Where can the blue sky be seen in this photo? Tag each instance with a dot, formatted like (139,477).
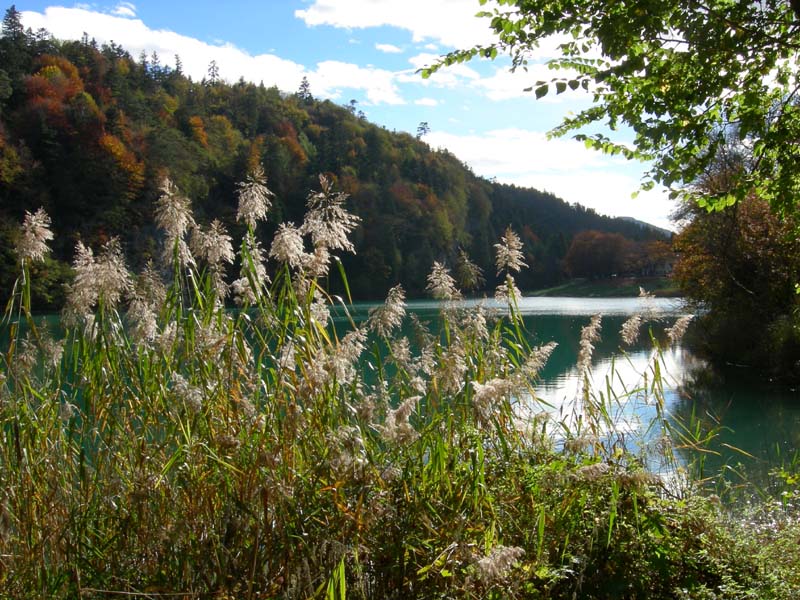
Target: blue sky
(369,51)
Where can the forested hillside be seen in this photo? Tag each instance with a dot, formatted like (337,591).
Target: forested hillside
(88,132)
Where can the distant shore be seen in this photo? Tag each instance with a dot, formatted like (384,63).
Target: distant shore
(614,287)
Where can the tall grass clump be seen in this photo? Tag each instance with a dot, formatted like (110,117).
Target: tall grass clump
(168,446)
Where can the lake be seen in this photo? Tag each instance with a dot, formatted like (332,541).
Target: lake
(759,419)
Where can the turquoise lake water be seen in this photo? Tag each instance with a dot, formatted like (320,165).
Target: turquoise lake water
(757,423)
(760,419)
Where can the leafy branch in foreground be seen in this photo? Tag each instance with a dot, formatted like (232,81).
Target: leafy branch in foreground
(684,76)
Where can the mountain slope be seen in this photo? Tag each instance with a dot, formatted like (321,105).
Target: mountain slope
(88,132)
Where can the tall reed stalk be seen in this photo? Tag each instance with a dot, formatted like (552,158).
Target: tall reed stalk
(168,445)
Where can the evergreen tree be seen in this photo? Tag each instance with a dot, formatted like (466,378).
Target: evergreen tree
(213,72)
(14,51)
(13,29)
(304,92)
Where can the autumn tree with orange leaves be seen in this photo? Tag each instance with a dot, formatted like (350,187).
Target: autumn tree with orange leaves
(741,266)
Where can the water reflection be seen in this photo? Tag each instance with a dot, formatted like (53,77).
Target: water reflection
(754,423)
(762,421)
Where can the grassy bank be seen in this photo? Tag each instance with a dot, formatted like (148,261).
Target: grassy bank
(617,287)
(170,447)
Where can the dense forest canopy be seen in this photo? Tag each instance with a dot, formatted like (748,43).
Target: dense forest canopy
(88,132)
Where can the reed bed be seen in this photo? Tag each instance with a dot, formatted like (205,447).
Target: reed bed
(169,446)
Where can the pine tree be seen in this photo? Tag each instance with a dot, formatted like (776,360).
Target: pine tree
(304,91)
(213,72)
(14,46)
(13,29)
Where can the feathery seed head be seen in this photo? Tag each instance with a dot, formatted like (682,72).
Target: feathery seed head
(174,215)
(317,263)
(488,395)
(150,285)
(287,246)
(32,244)
(287,356)
(173,210)
(213,246)
(389,316)
(576,445)
(592,472)
(253,275)
(470,275)
(675,333)
(169,337)
(441,284)
(507,291)
(210,340)
(451,371)
(110,273)
(508,255)
(147,299)
(397,428)
(538,359)
(255,198)
(327,221)
(401,353)
(475,323)
(347,451)
(190,395)
(81,293)
(343,360)
(103,276)
(498,563)
(144,329)
(630,330)
(650,311)
(52,350)
(589,334)
(319,309)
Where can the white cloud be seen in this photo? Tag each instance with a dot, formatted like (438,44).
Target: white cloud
(328,80)
(517,151)
(388,48)
(447,77)
(378,84)
(424,59)
(125,9)
(501,84)
(606,192)
(449,22)
(561,166)
(505,85)
(426,102)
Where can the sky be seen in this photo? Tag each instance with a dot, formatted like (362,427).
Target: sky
(370,51)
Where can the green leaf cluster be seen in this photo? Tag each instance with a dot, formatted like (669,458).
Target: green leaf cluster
(683,76)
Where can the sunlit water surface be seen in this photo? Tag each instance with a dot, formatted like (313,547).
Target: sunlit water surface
(755,425)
